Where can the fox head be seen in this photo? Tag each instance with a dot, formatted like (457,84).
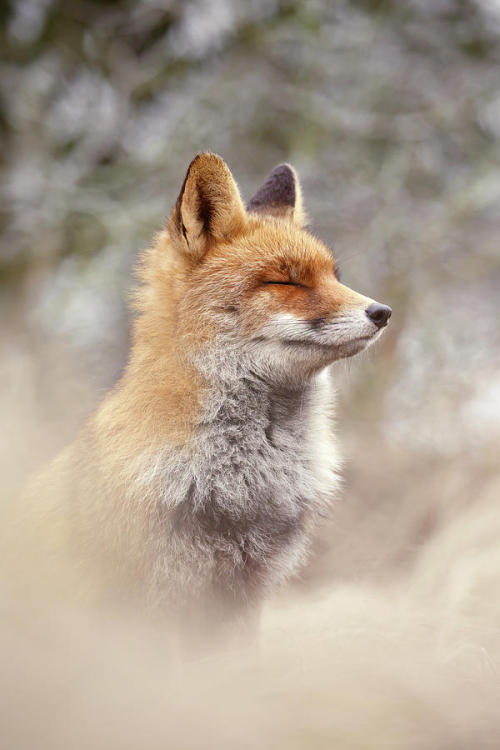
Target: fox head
(252,284)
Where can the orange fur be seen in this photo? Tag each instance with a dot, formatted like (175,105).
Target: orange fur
(213,258)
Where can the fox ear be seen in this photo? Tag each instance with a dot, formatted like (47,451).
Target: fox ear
(209,206)
(280,195)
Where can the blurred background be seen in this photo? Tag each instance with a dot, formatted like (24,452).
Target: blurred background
(390,111)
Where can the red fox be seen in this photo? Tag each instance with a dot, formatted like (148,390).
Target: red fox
(200,478)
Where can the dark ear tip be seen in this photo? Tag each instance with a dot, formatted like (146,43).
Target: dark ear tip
(283,170)
(278,190)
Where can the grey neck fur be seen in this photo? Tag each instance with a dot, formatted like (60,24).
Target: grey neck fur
(252,478)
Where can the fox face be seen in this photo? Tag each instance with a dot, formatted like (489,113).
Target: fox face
(255,284)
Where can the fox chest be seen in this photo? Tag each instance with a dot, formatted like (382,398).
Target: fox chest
(251,488)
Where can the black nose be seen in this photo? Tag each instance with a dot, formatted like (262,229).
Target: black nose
(379,314)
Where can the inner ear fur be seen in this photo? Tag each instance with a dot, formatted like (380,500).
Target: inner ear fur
(209,207)
(280,195)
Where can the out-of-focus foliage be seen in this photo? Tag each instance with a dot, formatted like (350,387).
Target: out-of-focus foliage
(389,110)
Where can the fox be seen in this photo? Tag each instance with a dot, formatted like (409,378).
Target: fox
(199,482)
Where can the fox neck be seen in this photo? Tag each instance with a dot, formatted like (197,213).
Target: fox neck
(231,378)
(251,405)
(258,434)
(185,391)
(251,464)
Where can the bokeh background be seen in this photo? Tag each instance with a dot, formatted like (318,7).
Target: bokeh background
(390,111)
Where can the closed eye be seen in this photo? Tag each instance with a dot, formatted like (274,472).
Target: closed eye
(283,283)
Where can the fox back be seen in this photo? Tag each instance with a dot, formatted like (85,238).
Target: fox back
(200,479)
